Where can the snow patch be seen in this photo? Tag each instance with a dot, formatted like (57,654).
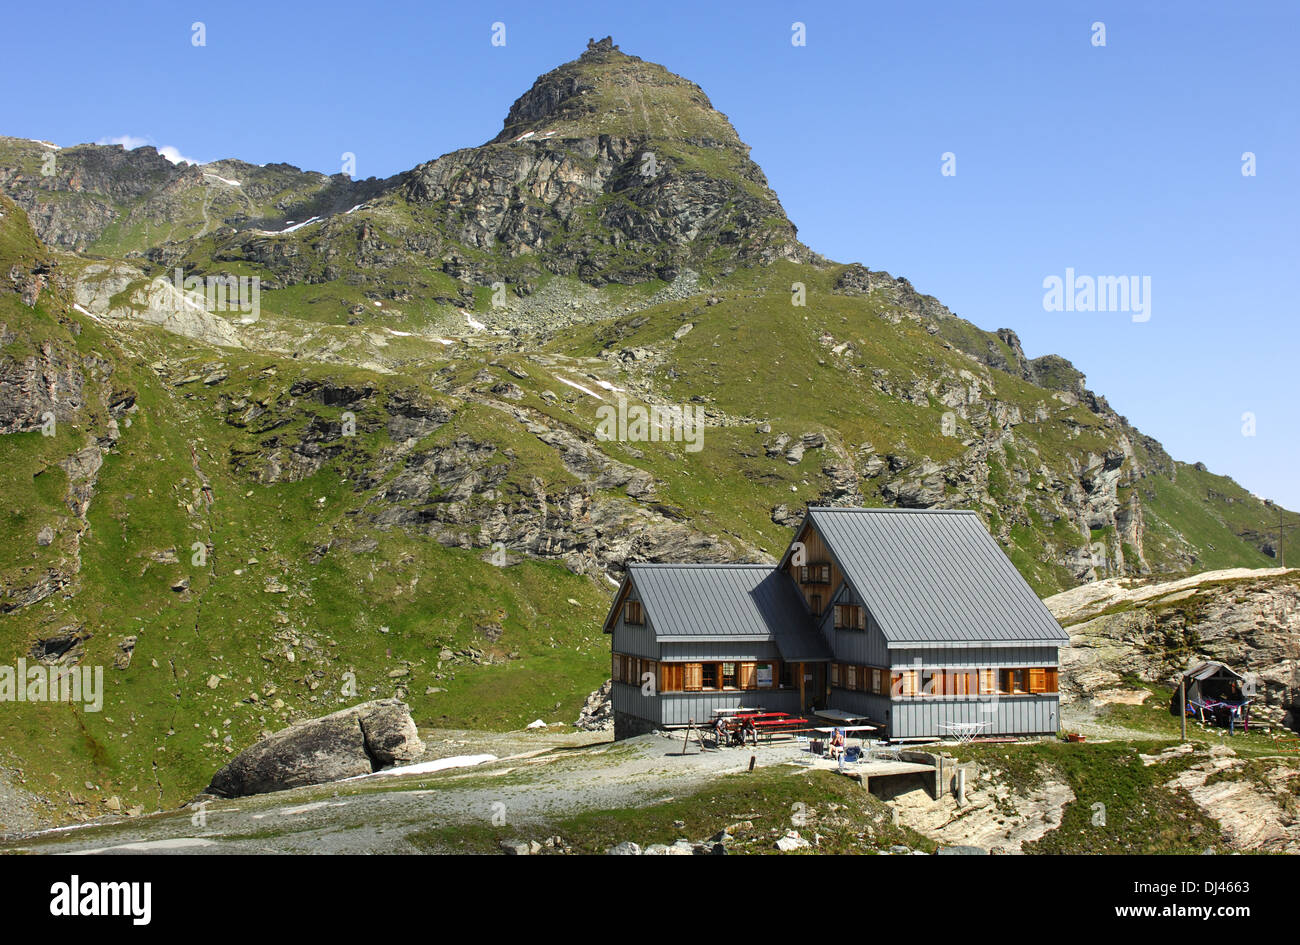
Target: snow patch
(576,386)
(473,322)
(425,767)
(86,312)
(224,180)
(290,229)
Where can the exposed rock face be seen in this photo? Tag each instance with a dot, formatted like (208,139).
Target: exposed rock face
(101,286)
(40,386)
(1249,620)
(994,817)
(597,713)
(1254,801)
(354,741)
(606,192)
(94,186)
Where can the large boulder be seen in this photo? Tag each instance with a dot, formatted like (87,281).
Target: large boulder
(356,740)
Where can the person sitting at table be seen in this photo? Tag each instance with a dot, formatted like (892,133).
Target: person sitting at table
(837,744)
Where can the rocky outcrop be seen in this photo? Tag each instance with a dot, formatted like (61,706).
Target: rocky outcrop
(351,742)
(1249,620)
(120,291)
(1253,800)
(597,713)
(605,196)
(92,187)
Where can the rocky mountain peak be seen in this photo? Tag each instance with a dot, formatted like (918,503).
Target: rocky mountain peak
(606,91)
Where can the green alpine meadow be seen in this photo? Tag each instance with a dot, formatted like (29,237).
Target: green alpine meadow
(286,454)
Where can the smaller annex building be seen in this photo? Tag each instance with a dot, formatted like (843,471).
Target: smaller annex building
(913,619)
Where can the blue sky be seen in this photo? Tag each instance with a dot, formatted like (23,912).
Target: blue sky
(1117,160)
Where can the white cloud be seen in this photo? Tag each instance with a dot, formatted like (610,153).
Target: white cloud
(175,156)
(131,142)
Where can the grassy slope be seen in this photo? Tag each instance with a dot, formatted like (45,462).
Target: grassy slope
(845,817)
(754,355)
(163,730)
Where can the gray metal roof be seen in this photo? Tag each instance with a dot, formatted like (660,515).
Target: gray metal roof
(935,577)
(738,602)
(1210,668)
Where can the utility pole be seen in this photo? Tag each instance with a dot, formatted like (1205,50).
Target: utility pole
(1182,702)
(1281,532)
(1281,537)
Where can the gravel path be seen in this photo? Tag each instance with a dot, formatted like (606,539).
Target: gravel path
(538,774)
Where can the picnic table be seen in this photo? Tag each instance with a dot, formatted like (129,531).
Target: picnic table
(963,732)
(733,727)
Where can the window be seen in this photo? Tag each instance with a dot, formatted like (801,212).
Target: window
(988,685)
(1042,679)
(729,676)
(786,677)
(835,674)
(905,683)
(815,604)
(850,617)
(632,614)
(710,675)
(815,574)
(851,678)
(1015,681)
(630,670)
(963,683)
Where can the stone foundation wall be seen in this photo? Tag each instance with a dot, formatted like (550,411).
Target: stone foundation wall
(629,726)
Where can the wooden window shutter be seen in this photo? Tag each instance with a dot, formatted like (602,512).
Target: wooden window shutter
(747,676)
(670,677)
(1050,679)
(693,677)
(835,674)
(1037,680)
